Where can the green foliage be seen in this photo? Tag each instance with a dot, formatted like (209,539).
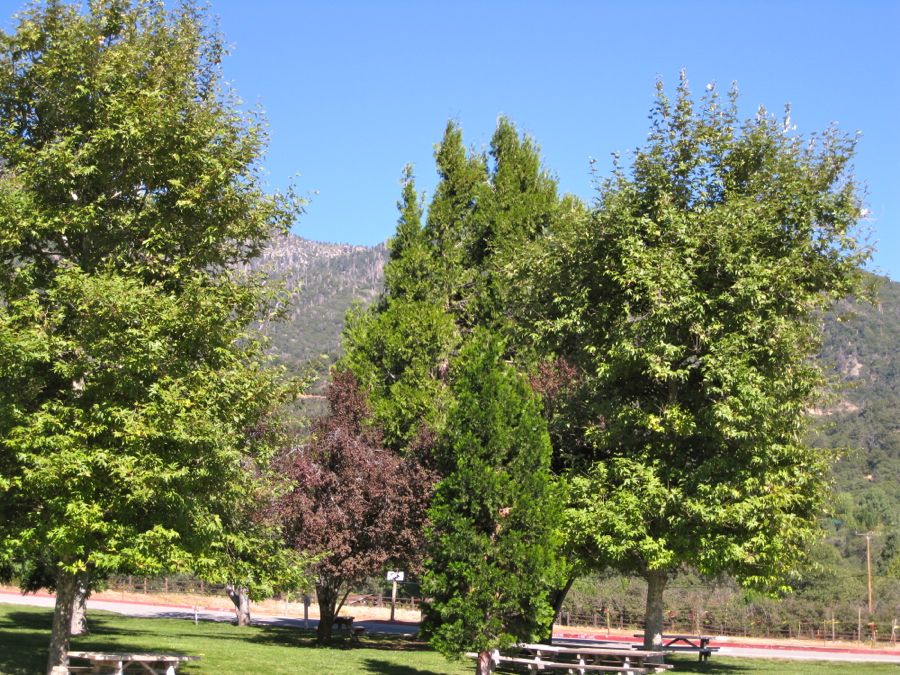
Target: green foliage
(448,275)
(689,303)
(492,533)
(134,402)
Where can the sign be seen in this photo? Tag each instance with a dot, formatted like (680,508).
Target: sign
(396,576)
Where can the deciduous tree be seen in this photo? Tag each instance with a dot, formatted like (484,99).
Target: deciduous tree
(353,504)
(689,303)
(128,379)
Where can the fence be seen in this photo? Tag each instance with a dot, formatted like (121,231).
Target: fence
(746,621)
(194,586)
(830,628)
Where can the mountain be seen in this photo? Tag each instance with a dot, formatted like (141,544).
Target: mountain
(860,351)
(324,280)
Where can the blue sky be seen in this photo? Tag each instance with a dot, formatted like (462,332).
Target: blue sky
(355,90)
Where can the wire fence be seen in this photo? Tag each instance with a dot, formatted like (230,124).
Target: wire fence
(831,628)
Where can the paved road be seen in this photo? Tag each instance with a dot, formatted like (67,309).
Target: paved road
(860,655)
(178,612)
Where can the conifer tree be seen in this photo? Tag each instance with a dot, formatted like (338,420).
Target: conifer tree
(493,520)
(449,276)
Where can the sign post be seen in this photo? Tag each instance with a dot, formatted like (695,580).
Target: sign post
(394,577)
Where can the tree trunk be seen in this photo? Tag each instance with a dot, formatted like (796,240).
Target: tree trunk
(78,625)
(66,584)
(653,619)
(327,598)
(484,665)
(240,596)
(557,598)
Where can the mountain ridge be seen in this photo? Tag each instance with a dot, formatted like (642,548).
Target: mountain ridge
(859,350)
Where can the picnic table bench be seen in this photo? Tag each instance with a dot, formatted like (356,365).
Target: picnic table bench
(342,622)
(690,643)
(117,662)
(581,660)
(623,660)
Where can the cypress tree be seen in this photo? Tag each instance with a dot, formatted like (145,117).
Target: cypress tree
(493,546)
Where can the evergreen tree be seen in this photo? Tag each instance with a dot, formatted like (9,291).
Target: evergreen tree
(492,534)
(409,274)
(450,276)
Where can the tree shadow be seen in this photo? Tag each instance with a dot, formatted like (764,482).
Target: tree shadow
(23,642)
(27,620)
(687,664)
(386,668)
(292,636)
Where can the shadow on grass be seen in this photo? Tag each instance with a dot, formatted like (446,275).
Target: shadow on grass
(24,637)
(290,636)
(27,621)
(686,664)
(386,668)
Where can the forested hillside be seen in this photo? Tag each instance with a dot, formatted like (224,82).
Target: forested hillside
(324,280)
(861,350)
(862,346)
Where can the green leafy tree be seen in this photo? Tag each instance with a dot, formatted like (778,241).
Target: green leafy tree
(133,401)
(690,304)
(493,535)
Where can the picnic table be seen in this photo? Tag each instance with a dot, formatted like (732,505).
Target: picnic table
(578,659)
(689,642)
(117,662)
(343,622)
(625,660)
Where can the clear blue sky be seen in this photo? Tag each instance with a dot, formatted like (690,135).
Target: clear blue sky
(355,90)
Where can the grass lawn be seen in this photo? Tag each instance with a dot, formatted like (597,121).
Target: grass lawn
(228,650)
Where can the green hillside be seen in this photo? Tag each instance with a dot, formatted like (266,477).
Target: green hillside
(862,350)
(325,281)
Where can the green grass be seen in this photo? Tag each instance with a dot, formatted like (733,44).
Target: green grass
(225,649)
(723,665)
(228,650)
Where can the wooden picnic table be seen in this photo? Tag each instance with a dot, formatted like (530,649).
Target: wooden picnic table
(691,642)
(622,660)
(117,662)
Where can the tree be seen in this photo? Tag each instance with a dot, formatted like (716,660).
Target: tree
(449,275)
(352,504)
(492,530)
(689,303)
(128,379)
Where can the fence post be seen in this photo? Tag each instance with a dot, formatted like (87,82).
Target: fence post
(859,624)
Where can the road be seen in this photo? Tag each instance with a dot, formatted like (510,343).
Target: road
(183,612)
(726,648)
